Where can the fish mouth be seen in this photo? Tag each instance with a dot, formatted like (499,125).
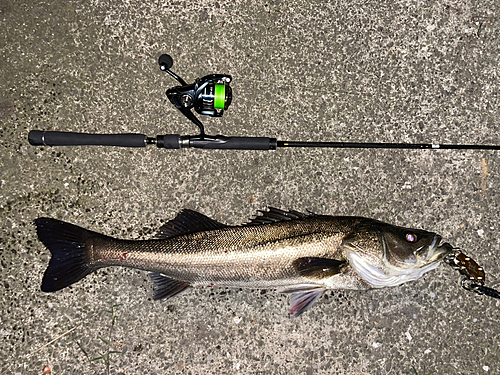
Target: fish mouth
(435,253)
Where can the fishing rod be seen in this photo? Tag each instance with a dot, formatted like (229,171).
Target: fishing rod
(210,95)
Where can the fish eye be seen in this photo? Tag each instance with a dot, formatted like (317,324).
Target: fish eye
(410,237)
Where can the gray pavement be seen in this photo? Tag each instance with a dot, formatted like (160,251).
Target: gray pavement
(380,71)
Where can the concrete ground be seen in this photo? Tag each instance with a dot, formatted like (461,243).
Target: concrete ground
(380,71)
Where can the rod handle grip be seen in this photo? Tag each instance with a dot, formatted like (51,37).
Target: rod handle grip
(50,138)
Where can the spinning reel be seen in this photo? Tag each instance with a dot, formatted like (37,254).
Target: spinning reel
(210,95)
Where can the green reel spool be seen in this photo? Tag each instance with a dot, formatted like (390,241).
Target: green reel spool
(220,96)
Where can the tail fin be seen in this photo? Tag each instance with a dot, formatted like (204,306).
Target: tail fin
(69,262)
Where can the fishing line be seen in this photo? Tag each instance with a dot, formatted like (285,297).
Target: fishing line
(211,95)
(303,88)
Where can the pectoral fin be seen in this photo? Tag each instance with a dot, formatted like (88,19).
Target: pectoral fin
(318,268)
(165,287)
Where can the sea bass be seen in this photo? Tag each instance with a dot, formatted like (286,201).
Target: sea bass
(292,252)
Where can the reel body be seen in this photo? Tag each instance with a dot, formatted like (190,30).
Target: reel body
(210,95)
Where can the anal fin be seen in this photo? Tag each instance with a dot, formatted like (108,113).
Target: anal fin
(165,287)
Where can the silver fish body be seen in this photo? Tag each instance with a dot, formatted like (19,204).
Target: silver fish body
(302,254)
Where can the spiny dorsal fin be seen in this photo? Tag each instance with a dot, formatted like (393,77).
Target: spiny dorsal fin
(187,221)
(274,215)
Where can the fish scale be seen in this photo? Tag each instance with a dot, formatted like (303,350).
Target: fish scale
(255,257)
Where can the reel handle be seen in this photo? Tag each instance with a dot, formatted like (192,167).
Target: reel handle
(50,138)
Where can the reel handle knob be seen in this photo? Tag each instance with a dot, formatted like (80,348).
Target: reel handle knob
(165,62)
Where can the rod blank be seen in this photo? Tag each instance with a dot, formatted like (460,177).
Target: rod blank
(411,146)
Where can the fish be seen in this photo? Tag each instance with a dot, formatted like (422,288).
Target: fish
(300,254)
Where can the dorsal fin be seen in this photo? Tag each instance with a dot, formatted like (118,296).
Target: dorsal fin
(274,215)
(187,221)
